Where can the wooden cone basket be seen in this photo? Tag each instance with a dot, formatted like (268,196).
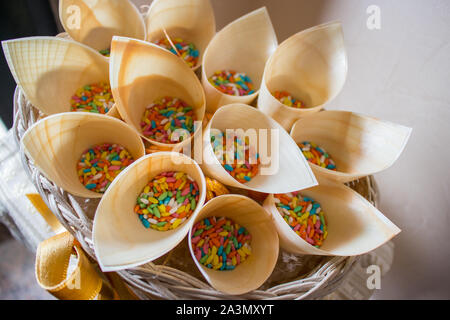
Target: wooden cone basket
(142,72)
(50,70)
(254,271)
(354,225)
(190,20)
(95,22)
(311,65)
(243,46)
(57,142)
(287,172)
(359,145)
(120,239)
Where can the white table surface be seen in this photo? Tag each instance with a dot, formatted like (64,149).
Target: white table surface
(399,73)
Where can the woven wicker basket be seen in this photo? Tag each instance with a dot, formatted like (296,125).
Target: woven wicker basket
(174,276)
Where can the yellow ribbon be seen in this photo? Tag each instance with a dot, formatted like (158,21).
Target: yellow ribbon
(52,262)
(46,213)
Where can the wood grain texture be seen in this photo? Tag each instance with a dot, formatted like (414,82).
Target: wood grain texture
(50,70)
